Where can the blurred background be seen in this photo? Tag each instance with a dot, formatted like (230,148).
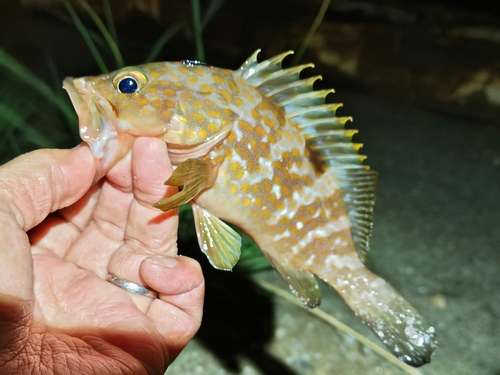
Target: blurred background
(421,79)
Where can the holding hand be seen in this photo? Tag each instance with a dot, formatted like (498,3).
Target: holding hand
(58,312)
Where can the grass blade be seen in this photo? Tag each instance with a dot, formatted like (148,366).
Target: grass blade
(17,122)
(110,21)
(213,7)
(195,8)
(86,36)
(105,33)
(160,43)
(25,75)
(311,31)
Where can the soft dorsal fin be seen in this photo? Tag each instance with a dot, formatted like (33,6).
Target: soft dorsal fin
(324,134)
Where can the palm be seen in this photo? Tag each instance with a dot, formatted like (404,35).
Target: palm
(112,229)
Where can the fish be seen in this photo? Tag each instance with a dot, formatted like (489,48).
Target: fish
(258,147)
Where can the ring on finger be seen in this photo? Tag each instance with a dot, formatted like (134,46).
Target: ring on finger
(132,287)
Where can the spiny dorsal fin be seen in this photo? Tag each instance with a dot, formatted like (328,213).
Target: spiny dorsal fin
(324,134)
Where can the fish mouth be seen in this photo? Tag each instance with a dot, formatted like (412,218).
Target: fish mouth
(97,119)
(179,153)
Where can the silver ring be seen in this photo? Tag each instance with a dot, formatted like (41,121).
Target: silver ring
(131,287)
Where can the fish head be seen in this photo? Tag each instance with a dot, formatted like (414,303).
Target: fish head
(179,104)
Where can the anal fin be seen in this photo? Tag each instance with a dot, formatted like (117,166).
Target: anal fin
(303,284)
(218,241)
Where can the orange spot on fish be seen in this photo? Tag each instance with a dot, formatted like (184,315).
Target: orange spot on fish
(213,113)
(240,174)
(248,96)
(242,150)
(155,74)
(271,138)
(143,101)
(186,95)
(169,92)
(232,85)
(245,127)
(192,79)
(212,127)
(199,71)
(218,159)
(198,117)
(218,79)
(255,114)
(264,105)
(207,88)
(238,102)
(226,95)
(197,105)
(270,123)
(260,131)
(252,166)
(245,187)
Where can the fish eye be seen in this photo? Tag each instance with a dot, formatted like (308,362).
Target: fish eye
(129,81)
(128,85)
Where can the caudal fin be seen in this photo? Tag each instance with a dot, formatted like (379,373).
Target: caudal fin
(393,320)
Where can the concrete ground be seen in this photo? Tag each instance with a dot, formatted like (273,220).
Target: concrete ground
(436,240)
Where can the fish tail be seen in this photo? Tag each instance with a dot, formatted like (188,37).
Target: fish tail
(391,318)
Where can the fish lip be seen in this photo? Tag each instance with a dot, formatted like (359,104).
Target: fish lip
(180,153)
(96,120)
(74,95)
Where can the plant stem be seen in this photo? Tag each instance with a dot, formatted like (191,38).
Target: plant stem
(341,326)
(195,8)
(311,31)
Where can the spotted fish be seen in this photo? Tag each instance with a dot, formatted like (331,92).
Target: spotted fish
(259,148)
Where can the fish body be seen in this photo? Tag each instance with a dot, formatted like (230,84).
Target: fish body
(259,148)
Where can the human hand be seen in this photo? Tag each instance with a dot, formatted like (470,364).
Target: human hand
(58,314)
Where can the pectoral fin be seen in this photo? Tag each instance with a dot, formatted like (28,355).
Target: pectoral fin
(220,243)
(194,175)
(303,284)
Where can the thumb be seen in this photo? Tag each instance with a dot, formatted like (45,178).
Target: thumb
(32,186)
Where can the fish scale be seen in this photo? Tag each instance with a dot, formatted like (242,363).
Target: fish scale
(259,147)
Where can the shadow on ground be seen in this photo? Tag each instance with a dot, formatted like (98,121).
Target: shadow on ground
(238,319)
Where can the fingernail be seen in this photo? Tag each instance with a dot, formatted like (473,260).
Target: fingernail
(169,262)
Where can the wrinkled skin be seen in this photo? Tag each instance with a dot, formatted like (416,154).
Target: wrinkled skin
(58,315)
